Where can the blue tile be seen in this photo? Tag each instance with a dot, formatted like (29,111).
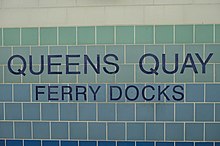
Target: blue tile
(115,92)
(50,143)
(87,143)
(106,143)
(155,131)
(1,111)
(41,88)
(117,50)
(41,130)
(171,50)
(59,130)
(78,130)
(14,143)
(79,91)
(1,74)
(215,49)
(194,131)
(164,112)
(125,112)
(61,50)
(123,143)
(37,51)
(164,144)
(89,77)
(93,51)
(13,111)
(7,54)
(144,143)
(192,94)
(125,73)
(212,93)
(104,108)
(23,51)
(133,93)
(97,92)
(204,112)
(135,131)
(174,131)
(49,111)
(6,130)
(184,112)
(97,131)
(212,132)
(157,50)
(31,111)
(173,96)
(22,92)
(217,112)
(145,112)
(65,113)
(217,143)
(192,49)
(32,143)
(23,130)
(5,92)
(134,53)
(2,143)
(203,144)
(84,115)
(116,131)
(184,144)
(69,143)
(152,90)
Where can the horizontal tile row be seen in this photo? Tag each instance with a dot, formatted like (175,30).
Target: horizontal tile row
(198,112)
(111,131)
(110,35)
(100,143)
(109,93)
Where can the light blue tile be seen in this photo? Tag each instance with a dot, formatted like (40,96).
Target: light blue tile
(157,50)
(11,78)
(143,77)
(116,131)
(37,51)
(7,51)
(41,130)
(86,35)
(29,77)
(134,53)
(207,76)
(40,88)
(23,130)
(194,131)
(175,131)
(94,51)
(49,111)
(125,74)
(49,78)
(212,131)
(65,113)
(97,131)
(117,50)
(66,77)
(58,50)
(104,108)
(215,49)
(77,50)
(89,77)
(135,131)
(5,92)
(103,77)
(84,115)
(134,93)
(78,130)
(1,74)
(187,76)
(24,52)
(171,50)
(174,96)
(1,111)
(59,130)
(97,93)
(6,130)
(22,92)
(79,92)
(204,33)
(217,70)
(164,34)
(31,111)
(145,112)
(163,77)
(124,35)
(11,36)
(217,112)
(212,92)
(152,90)
(204,112)
(192,94)
(164,112)
(125,112)
(184,112)
(115,92)
(155,131)
(192,49)
(13,111)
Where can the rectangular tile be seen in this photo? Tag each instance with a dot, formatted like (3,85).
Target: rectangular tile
(124,35)
(6,130)
(105,34)
(67,35)
(174,131)
(78,130)
(144,34)
(48,36)
(97,131)
(204,33)
(11,36)
(116,131)
(29,36)
(23,130)
(163,34)
(85,35)
(212,93)
(217,33)
(59,130)
(194,131)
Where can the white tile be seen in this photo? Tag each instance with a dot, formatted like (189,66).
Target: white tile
(206,1)
(11,3)
(172,2)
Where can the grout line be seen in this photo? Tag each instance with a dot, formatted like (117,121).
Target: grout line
(95,35)
(134,28)
(154,33)
(13,130)
(214,40)
(204,131)
(174,33)
(20,35)
(58,39)
(115,35)
(214,112)
(194,33)
(38,33)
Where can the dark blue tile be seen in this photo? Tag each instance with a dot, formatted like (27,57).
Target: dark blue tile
(87,143)
(204,144)
(14,143)
(125,144)
(50,143)
(2,143)
(184,144)
(69,143)
(106,143)
(145,144)
(165,144)
(32,143)
(217,144)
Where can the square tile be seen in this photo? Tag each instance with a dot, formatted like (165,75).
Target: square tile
(41,130)
(11,36)
(125,112)
(116,131)
(64,111)
(144,35)
(217,33)
(204,112)
(191,92)
(59,130)
(135,131)
(6,130)
(84,115)
(154,131)
(23,130)
(184,33)
(48,36)
(49,111)
(78,130)
(31,111)
(124,35)
(134,53)
(104,108)
(212,131)
(67,35)
(144,112)
(204,33)
(13,111)
(105,34)
(164,34)
(174,131)
(97,131)
(194,131)
(164,112)
(5,92)
(212,92)
(184,112)
(7,51)
(22,96)
(29,36)
(85,35)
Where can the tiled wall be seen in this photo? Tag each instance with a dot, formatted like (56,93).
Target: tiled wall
(123,122)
